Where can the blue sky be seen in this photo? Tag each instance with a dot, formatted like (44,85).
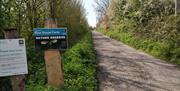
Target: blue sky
(91,14)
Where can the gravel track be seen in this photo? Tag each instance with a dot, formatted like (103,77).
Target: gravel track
(122,68)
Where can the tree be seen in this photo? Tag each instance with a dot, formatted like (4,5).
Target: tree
(101,9)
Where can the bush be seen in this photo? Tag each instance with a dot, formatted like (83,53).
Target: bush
(79,69)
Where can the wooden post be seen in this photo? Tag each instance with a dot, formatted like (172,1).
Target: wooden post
(177,7)
(53,61)
(17,82)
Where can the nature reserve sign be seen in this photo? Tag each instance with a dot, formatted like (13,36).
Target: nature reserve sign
(50,38)
(13,59)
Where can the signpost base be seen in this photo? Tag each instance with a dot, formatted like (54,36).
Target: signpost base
(53,68)
(18,83)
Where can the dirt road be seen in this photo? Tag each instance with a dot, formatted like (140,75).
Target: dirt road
(122,68)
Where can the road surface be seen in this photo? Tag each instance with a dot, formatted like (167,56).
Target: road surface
(122,68)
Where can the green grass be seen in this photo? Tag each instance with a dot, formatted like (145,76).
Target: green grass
(158,49)
(79,69)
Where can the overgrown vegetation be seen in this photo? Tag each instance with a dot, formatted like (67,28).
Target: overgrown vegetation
(79,61)
(147,25)
(28,14)
(79,69)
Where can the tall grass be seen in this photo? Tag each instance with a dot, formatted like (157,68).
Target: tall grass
(158,49)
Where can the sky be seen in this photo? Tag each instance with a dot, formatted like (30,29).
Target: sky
(91,14)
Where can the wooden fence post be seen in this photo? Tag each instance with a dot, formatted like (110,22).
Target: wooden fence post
(17,82)
(177,7)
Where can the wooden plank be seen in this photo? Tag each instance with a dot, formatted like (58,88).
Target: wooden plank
(17,82)
(53,68)
(53,62)
(177,7)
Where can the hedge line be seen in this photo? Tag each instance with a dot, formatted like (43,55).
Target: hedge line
(156,48)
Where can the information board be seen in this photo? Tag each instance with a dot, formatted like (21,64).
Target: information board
(13,59)
(50,38)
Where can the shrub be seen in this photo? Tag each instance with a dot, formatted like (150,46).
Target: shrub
(79,69)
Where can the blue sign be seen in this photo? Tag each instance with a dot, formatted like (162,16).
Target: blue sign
(49,31)
(50,38)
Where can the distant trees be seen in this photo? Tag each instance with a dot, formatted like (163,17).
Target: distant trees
(101,9)
(102,6)
(146,20)
(139,11)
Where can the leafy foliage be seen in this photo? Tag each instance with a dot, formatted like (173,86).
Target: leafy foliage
(149,25)
(28,14)
(156,48)
(79,69)
(79,65)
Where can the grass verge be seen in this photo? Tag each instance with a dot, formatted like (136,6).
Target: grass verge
(158,49)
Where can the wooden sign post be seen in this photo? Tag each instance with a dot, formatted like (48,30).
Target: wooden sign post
(177,7)
(17,82)
(53,61)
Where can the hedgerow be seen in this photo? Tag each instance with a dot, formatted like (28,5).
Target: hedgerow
(149,25)
(159,49)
